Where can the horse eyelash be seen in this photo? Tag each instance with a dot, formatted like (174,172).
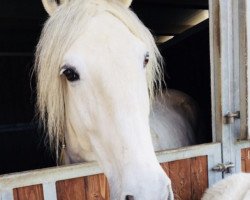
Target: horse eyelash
(66,67)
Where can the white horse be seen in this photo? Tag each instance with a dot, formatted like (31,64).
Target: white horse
(96,66)
(235,187)
(173,120)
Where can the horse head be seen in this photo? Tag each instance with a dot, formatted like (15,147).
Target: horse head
(97,65)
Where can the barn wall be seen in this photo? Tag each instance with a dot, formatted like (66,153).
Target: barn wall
(189,180)
(30,193)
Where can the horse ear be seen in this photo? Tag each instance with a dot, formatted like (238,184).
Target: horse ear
(127,3)
(51,5)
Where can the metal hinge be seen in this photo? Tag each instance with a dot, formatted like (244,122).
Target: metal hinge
(231,116)
(221,167)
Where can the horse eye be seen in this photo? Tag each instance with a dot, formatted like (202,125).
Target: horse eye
(70,74)
(146,59)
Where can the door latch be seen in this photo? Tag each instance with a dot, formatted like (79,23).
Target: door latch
(231,116)
(221,167)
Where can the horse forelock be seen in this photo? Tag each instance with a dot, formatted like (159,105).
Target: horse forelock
(59,33)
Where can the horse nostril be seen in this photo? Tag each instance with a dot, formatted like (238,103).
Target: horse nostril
(129,197)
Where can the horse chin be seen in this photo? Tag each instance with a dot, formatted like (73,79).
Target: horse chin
(166,194)
(134,186)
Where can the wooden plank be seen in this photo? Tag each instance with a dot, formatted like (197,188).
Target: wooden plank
(34,192)
(15,194)
(93,189)
(107,194)
(180,173)
(104,188)
(165,167)
(247,159)
(243,160)
(199,176)
(71,189)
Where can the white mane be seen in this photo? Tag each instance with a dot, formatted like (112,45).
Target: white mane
(64,26)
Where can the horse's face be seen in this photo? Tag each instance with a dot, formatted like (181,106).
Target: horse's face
(108,100)
(108,96)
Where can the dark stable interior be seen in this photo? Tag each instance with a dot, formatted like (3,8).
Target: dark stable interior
(187,68)
(23,145)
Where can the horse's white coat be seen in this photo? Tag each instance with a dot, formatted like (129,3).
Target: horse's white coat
(111,121)
(106,112)
(173,120)
(235,187)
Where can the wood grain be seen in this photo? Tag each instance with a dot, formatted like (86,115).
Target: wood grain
(34,192)
(165,167)
(189,177)
(93,189)
(180,175)
(245,160)
(71,189)
(104,188)
(199,177)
